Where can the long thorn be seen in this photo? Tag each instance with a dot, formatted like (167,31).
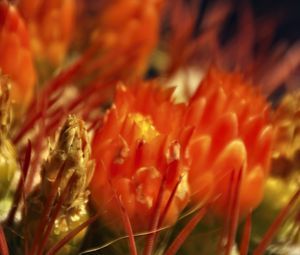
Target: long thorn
(20,187)
(260,249)
(3,243)
(225,227)
(246,236)
(37,149)
(168,204)
(126,222)
(54,214)
(234,214)
(46,211)
(185,232)
(56,247)
(154,219)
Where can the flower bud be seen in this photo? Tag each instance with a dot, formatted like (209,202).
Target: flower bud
(66,174)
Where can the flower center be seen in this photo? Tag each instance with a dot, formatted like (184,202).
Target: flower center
(147,130)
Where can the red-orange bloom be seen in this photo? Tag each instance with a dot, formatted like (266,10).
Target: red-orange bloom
(16,59)
(232,133)
(51,25)
(224,128)
(129,30)
(141,146)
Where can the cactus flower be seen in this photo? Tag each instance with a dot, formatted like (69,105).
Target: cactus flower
(51,26)
(232,133)
(224,127)
(129,29)
(141,143)
(16,58)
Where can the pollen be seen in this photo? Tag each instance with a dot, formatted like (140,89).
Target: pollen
(145,126)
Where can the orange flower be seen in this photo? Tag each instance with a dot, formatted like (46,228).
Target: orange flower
(130,30)
(145,138)
(141,146)
(16,59)
(232,133)
(51,25)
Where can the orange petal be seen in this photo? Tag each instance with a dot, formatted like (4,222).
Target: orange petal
(202,187)
(252,189)
(225,130)
(232,158)
(264,147)
(195,111)
(199,151)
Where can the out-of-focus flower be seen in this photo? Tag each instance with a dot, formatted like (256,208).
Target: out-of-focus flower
(16,59)
(129,31)
(64,179)
(51,26)
(285,178)
(141,146)
(287,144)
(8,156)
(286,153)
(233,133)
